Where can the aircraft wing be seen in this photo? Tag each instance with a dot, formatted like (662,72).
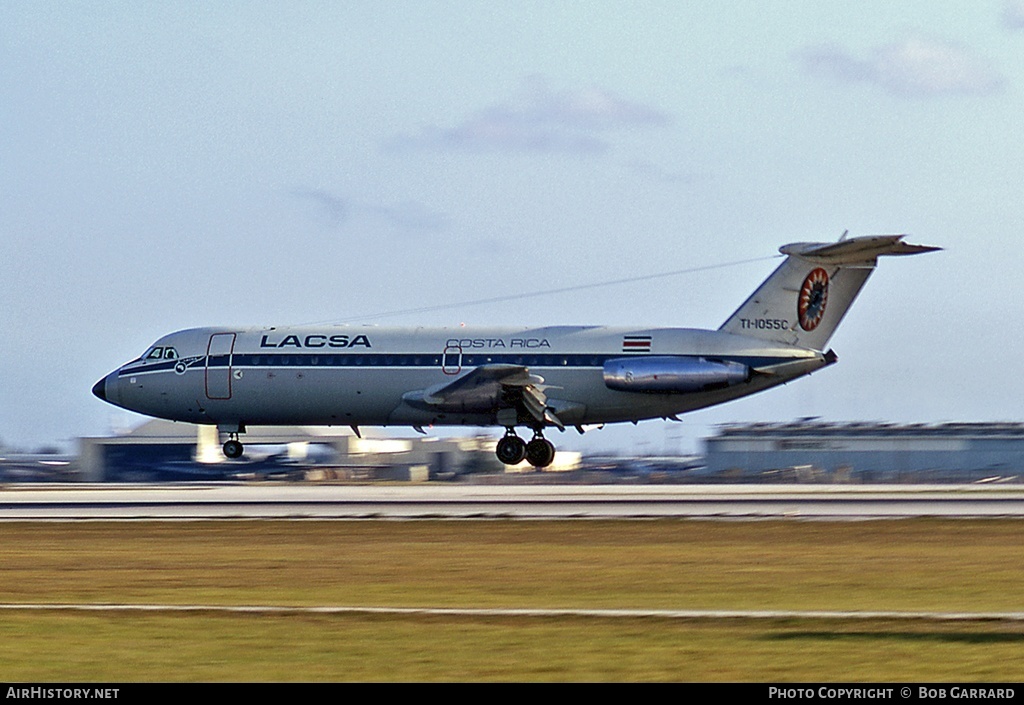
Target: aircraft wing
(489,388)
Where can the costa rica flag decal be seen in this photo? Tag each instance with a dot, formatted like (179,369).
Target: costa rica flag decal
(636,343)
(810,305)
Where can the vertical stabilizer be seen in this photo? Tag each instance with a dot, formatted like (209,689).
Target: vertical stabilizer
(804,300)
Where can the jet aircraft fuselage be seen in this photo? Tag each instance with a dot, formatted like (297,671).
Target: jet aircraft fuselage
(512,377)
(383,377)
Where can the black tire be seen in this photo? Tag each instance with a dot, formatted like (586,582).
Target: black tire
(511,450)
(233,449)
(540,452)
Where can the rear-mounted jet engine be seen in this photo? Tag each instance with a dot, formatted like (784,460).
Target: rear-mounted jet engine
(668,374)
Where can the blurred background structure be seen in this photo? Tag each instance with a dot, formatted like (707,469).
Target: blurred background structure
(803,451)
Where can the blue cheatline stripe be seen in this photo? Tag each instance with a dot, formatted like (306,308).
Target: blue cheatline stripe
(154,367)
(416,360)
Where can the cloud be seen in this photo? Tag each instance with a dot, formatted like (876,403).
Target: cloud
(409,215)
(650,170)
(334,211)
(1013,14)
(542,120)
(914,67)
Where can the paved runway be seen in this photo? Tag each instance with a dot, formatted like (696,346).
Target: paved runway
(526,612)
(451,501)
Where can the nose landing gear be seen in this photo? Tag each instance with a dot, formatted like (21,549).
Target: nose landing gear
(232,448)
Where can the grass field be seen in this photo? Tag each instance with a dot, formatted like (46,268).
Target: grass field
(908,565)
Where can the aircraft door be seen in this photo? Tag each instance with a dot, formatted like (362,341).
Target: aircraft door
(451,360)
(219,353)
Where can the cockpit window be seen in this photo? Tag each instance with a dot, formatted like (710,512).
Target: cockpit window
(161,353)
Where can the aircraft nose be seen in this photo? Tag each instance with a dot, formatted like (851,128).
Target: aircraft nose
(109,389)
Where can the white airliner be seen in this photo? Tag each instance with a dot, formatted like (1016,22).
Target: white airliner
(532,378)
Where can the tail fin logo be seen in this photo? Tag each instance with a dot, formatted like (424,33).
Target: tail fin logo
(813,297)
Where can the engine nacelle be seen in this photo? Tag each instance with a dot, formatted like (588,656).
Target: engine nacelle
(668,374)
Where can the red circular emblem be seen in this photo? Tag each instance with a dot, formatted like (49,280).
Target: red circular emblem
(810,307)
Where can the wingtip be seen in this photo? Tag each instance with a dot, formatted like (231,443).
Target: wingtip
(906,248)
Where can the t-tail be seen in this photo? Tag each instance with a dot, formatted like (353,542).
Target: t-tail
(803,301)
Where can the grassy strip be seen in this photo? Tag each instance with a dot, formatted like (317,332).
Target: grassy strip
(197,647)
(911,565)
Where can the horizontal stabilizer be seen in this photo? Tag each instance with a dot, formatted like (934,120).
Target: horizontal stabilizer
(857,249)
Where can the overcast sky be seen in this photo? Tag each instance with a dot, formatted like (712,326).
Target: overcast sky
(169,165)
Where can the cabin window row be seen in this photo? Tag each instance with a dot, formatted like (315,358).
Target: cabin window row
(449,361)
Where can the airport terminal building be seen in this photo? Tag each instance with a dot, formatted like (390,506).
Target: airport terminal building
(868,452)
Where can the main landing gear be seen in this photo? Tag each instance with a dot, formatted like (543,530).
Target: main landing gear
(512,449)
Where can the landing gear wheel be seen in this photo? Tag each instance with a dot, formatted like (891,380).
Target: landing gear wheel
(511,450)
(540,452)
(233,449)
